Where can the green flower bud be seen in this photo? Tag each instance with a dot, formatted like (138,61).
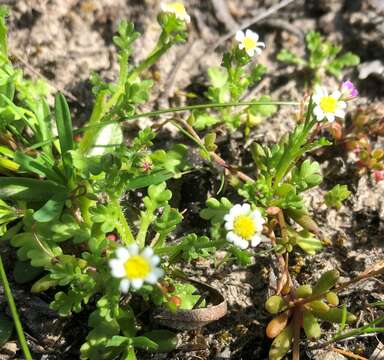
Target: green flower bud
(275,304)
(326,282)
(281,344)
(209,141)
(334,315)
(213,203)
(311,326)
(319,306)
(332,298)
(277,325)
(303,291)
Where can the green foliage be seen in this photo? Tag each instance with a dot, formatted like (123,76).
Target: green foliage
(313,311)
(307,176)
(322,57)
(229,83)
(67,202)
(335,196)
(188,295)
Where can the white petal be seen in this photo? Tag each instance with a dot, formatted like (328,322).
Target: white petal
(318,113)
(341,105)
(316,97)
(241,243)
(124,285)
(260,44)
(229,225)
(133,249)
(231,236)
(336,94)
(258,51)
(187,18)
(251,34)
(137,283)
(245,209)
(256,215)
(259,224)
(235,210)
(158,272)
(117,268)
(240,35)
(320,92)
(250,52)
(151,279)
(229,217)
(340,113)
(147,252)
(330,117)
(122,253)
(256,239)
(154,260)
(164,7)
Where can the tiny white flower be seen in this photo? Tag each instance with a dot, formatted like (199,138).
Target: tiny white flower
(176,8)
(134,268)
(328,106)
(244,226)
(250,42)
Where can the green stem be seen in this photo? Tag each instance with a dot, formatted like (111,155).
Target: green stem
(102,106)
(149,61)
(366,329)
(122,225)
(175,249)
(183,109)
(145,222)
(15,315)
(168,111)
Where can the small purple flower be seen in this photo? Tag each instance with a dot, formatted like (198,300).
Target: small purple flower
(349,90)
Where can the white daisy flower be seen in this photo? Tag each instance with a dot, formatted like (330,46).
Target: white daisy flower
(328,106)
(178,9)
(244,226)
(134,268)
(250,42)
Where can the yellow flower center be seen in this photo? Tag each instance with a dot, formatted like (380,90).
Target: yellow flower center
(249,43)
(178,8)
(244,226)
(136,267)
(328,104)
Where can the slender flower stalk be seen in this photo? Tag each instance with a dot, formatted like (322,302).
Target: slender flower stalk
(15,315)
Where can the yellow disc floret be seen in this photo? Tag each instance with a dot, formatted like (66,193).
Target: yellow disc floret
(137,267)
(328,104)
(178,8)
(249,43)
(244,226)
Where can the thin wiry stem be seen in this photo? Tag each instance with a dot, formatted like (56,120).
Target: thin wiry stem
(15,315)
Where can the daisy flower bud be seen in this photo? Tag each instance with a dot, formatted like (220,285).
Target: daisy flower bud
(328,106)
(178,9)
(244,226)
(348,90)
(249,42)
(134,268)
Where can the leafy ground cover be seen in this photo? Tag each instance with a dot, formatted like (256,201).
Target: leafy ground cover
(174,187)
